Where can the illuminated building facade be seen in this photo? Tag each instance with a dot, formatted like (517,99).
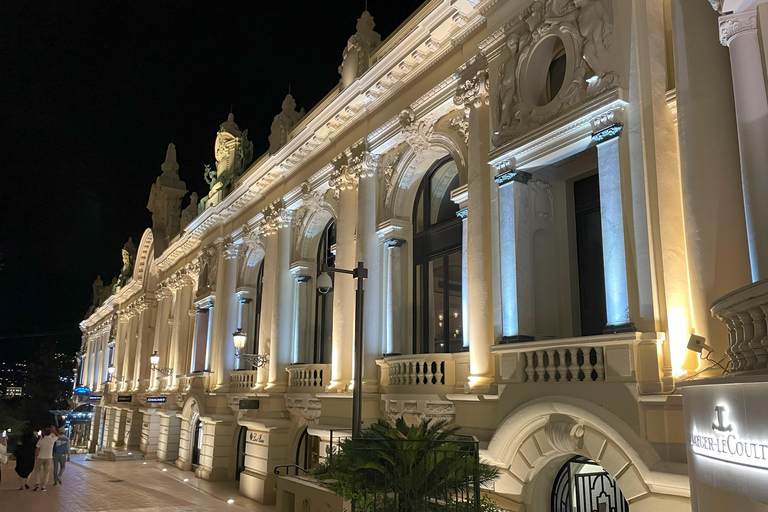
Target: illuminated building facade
(547,196)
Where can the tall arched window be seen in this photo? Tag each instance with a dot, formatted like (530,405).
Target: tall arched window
(437,262)
(324,302)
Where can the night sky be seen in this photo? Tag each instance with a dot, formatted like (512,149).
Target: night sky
(91,93)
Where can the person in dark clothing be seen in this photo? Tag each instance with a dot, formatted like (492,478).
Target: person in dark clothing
(25,458)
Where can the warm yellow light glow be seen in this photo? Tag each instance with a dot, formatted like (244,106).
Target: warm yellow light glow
(678,326)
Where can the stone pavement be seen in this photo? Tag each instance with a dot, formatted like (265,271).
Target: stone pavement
(125,486)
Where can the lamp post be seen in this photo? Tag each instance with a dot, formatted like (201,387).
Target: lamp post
(255,360)
(154,359)
(324,285)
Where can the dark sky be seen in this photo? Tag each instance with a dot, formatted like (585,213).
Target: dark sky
(91,93)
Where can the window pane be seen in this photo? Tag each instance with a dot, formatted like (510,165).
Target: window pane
(437,306)
(441,184)
(418,320)
(455,329)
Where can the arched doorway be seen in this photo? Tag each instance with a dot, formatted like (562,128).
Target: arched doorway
(582,485)
(197,442)
(240,460)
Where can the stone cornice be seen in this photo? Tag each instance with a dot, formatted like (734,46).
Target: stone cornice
(401,59)
(732,25)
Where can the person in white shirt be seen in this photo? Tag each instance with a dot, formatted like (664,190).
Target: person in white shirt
(44,458)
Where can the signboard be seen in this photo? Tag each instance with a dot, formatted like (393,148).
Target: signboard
(94,397)
(725,441)
(124,398)
(249,404)
(82,390)
(256,437)
(156,399)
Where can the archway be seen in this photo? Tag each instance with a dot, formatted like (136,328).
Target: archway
(197,441)
(582,485)
(240,458)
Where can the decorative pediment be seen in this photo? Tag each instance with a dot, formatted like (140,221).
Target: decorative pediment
(556,54)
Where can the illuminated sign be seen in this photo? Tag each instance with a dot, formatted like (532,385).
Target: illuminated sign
(124,398)
(156,399)
(82,389)
(94,397)
(727,445)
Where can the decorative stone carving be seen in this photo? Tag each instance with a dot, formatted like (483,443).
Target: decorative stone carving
(734,24)
(542,199)
(351,165)
(305,407)
(416,133)
(565,436)
(232,149)
(472,90)
(208,262)
(252,239)
(165,202)
(415,410)
(276,216)
(231,250)
(582,32)
(129,257)
(355,59)
(387,170)
(283,124)
(460,124)
(311,200)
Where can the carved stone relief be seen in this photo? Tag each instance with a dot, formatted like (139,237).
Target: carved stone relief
(573,36)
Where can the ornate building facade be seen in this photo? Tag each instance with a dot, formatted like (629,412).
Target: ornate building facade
(547,196)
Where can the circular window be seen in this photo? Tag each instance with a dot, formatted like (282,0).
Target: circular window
(546,71)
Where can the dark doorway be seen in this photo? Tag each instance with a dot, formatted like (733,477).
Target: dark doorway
(589,253)
(241,438)
(197,442)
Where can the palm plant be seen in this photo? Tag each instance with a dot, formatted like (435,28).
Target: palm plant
(423,467)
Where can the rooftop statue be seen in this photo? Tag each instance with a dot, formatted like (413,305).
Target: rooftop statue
(165,201)
(233,150)
(283,124)
(126,273)
(189,213)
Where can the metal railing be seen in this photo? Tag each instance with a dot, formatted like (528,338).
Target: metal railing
(391,475)
(287,467)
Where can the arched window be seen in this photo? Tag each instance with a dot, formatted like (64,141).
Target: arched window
(324,302)
(437,262)
(257,317)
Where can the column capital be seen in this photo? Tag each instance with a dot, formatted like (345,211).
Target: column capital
(732,25)
(473,85)
(512,175)
(353,164)
(393,228)
(231,250)
(607,133)
(393,242)
(276,216)
(302,268)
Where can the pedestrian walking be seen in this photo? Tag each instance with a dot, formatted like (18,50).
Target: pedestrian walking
(25,458)
(3,452)
(60,455)
(44,459)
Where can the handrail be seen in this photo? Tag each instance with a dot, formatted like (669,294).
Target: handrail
(295,467)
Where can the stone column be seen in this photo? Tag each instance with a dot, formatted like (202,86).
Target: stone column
(180,349)
(282,303)
(160,345)
(472,94)
(150,432)
(739,33)
(715,229)
(459,196)
(223,347)
(609,147)
(267,306)
(518,321)
(302,272)
(369,252)
(392,235)
(344,293)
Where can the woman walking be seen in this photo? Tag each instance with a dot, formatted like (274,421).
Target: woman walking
(25,458)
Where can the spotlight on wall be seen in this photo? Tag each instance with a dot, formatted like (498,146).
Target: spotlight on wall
(698,343)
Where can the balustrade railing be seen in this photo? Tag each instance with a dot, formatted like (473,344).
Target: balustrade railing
(564,364)
(184,384)
(242,380)
(744,313)
(308,376)
(421,370)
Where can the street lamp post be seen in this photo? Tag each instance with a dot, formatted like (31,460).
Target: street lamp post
(324,285)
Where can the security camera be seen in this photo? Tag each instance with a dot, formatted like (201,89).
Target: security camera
(697,343)
(324,283)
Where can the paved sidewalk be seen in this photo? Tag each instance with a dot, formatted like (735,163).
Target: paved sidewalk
(90,486)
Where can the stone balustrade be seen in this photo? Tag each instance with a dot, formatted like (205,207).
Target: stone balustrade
(308,377)
(418,372)
(184,384)
(242,380)
(625,357)
(744,313)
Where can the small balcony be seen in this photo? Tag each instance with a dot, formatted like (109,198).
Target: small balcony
(744,313)
(242,381)
(420,373)
(308,378)
(627,357)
